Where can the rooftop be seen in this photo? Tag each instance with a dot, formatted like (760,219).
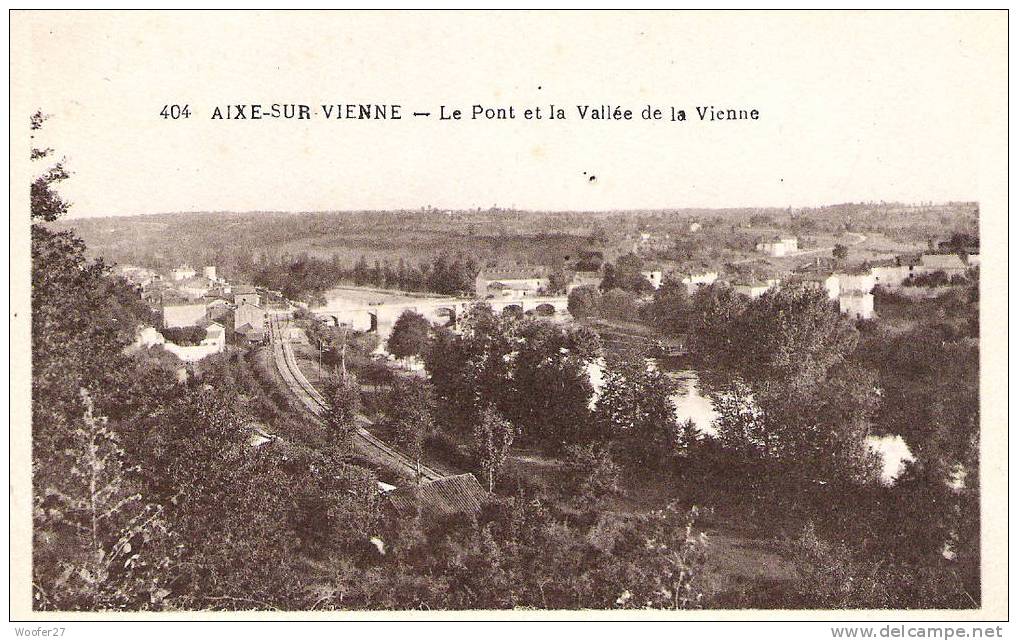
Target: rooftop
(449,495)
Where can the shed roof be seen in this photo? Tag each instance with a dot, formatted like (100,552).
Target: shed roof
(448,495)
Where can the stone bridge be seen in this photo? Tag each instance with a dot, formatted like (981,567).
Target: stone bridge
(444,311)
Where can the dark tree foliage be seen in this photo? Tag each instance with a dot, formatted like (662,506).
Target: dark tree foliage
(87,515)
(670,310)
(585,301)
(410,416)
(344,399)
(635,410)
(625,275)
(532,371)
(410,335)
(781,385)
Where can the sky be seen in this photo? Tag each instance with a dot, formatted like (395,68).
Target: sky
(853,107)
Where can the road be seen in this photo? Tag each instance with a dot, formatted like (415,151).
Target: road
(363,441)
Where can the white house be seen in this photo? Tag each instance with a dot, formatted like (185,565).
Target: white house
(245,294)
(856,304)
(857,282)
(183,313)
(830,283)
(779,246)
(754,289)
(517,281)
(891,275)
(215,337)
(182,273)
(193,287)
(209,272)
(695,281)
(973,260)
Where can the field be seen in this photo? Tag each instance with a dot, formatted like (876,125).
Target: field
(236,240)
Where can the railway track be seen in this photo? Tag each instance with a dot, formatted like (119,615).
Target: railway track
(363,440)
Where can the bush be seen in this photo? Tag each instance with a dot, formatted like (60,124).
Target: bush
(184,335)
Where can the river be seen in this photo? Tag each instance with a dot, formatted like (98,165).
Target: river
(691,404)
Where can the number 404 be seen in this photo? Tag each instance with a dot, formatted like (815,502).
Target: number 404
(175,111)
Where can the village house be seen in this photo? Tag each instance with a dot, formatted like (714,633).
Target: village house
(694,281)
(246,294)
(779,246)
(182,273)
(215,336)
(511,282)
(950,264)
(249,314)
(857,281)
(857,305)
(248,335)
(828,282)
(584,279)
(891,275)
(209,272)
(753,289)
(138,276)
(216,309)
(972,260)
(178,312)
(193,287)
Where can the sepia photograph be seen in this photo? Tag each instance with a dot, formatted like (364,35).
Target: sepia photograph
(509,315)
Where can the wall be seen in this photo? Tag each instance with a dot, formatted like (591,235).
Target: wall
(183,315)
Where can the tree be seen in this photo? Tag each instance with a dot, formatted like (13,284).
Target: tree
(635,409)
(781,385)
(361,271)
(840,252)
(47,204)
(670,309)
(99,545)
(558,280)
(584,301)
(619,304)
(493,440)
(344,399)
(594,472)
(550,384)
(410,335)
(82,321)
(410,411)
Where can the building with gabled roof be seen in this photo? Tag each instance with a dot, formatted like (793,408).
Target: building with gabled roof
(460,494)
(949,263)
(512,281)
(245,294)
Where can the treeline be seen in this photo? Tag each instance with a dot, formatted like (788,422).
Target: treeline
(307,278)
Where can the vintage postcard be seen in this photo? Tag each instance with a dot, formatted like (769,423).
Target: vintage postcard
(509,315)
